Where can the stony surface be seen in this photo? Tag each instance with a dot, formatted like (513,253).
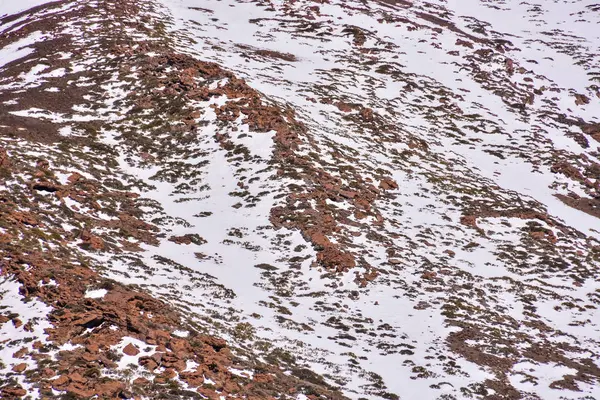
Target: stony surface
(300,199)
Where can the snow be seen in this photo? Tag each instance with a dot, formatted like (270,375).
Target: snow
(126,360)
(95,293)
(397,325)
(218,38)
(9,7)
(181,334)
(19,48)
(12,338)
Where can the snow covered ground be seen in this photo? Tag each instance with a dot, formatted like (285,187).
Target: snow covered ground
(432,141)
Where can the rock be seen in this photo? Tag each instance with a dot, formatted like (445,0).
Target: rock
(19,367)
(371,275)
(76,377)
(216,343)
(581,99)
(188,239)
(89,320)
(464,43)
(367,114)
(333,258)
(109,389)
(428,275)
(208,393)
(359,214)
(106,362)
(450,253)
(394,261)
(60,381)
(74,177)
(388,184)
(263,378)
(591,129)
(160,380)
(92,348)
(79,390)
(179,346)
(131,350)
(344,107)
(568,170)
(89,357)
(4,159)
(148,363)
(20,353)
(95,242)
(319,240)
(12,392)
(140,382)
(48,373)
(348,194)
(169,373)
(469,220)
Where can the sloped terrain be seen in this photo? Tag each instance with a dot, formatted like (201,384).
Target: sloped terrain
(299,199)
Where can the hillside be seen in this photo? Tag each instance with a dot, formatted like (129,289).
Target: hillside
(326,199)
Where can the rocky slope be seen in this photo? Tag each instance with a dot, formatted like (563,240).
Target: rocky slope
(299,199)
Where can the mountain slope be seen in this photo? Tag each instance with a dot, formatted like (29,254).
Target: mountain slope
(391,199)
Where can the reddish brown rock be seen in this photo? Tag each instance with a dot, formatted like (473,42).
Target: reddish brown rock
(109,389)
(367,114)
(13,392)
(320,240)
(4,159)
(344,107)
(388,184)
(92,347)
(450,253)
(131,350)
(148,363)
(48,373)
(469,220)
(333,258)
(169,373)
(187,239)
(19,367)
(348,194)
(180,347)
(140,382)
(20,353)
(79,390)
(98,325)
(429,275)
(60,381)
(74,177)
(591,129)
(546,235)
